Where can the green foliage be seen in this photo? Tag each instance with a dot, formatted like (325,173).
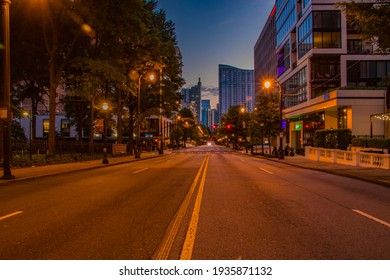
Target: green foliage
(17,132)
(378,143)
(90,47)
(266,116)
(19,161)
(371,20)
(332,138)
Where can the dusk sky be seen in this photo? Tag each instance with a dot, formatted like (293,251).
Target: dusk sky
(212,32)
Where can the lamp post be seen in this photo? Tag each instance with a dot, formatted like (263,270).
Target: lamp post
(267,85)
(29,116)
(243,111)
(137,140)
(105,109)
(5,113)
(161,150)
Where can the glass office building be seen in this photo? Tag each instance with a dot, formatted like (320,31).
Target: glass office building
(331,77)
(236,87)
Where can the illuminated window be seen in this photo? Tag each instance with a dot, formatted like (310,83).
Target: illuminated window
(45,128)
(65,127)
(342,118)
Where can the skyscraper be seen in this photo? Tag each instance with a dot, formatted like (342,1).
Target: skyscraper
(195,98)
(206,107)
(236,87)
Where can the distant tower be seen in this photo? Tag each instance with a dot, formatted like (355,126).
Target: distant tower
(195,97)
(236,87)
(206,107)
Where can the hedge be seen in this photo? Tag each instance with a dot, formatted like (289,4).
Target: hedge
(377,143)
(332,138)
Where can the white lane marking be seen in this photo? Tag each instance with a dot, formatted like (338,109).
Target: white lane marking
(138,171)
(265,170)
(10,215)
(371,217)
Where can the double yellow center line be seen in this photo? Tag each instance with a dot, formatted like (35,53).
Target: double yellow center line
(166,245)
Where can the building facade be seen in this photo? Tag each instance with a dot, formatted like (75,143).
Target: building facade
(265,55)
(330,77)
(236,87)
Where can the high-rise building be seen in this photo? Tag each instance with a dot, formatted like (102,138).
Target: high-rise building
(236,87)
(185,93)
(330,76)
(191,98)
(264,53)
(195,98)
(206,107)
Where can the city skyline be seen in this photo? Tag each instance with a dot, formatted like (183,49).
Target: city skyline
(215,32)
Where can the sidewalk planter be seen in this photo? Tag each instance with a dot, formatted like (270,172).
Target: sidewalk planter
(353,158)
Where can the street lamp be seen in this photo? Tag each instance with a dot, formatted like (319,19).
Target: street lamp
(105,109)
(267,84)
(243,111)
(161,150)
(29,116)
(137,143)
(5,106)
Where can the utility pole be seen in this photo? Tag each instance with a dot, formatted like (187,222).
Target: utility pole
(5,101)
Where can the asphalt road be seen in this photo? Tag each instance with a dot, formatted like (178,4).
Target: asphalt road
(198,203)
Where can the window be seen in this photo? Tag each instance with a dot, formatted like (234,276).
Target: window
(65,128)
(45,128)
(323,40)
(326,19)
(367,73)
(296,89)
(342,118)
(284,59)
(327,29)
(285,20)
(305,36)
(354,46)
(305,3)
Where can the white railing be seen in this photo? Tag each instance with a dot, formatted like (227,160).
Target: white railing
(354,158)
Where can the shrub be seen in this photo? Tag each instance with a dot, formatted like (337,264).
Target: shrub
(377,143)
(332,138)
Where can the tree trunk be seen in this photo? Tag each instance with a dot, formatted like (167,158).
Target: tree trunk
(91,126)
(131,131)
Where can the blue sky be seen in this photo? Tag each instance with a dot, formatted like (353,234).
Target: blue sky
(212,32)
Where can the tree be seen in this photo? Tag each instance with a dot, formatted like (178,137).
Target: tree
(265,121)
(371,20)
(51,36)
(235,123)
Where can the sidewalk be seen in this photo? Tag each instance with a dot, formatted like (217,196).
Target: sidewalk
(373,175)
(29,173)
